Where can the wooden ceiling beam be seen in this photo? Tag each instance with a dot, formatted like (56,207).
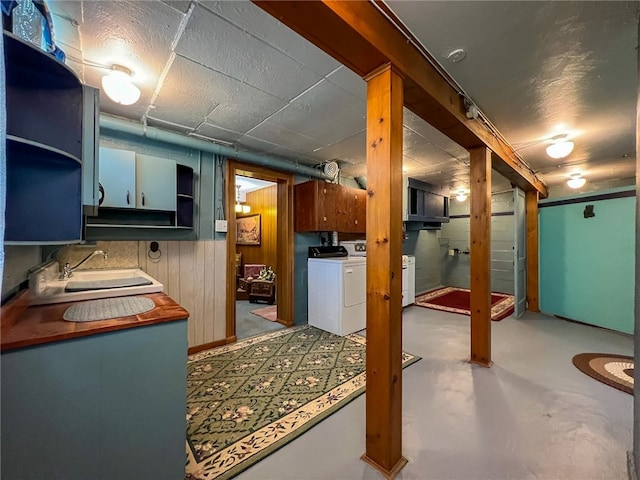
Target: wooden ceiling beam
(361,37)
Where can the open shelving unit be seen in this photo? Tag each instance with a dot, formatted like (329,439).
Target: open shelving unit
(44,147)
(184,212)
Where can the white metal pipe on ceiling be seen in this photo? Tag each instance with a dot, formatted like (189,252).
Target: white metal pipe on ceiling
(116,124)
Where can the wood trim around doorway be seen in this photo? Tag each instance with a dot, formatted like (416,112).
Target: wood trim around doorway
(284,264)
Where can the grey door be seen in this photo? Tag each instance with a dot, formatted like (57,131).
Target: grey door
(520,253)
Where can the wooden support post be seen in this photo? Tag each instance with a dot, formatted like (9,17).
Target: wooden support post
(533,302)
(384,272)
(481,256)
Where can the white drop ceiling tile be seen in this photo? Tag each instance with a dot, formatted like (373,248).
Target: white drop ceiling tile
(180,5)
(349,81)
(137,35)
(217,133)
(417,124)
(411,139)
(352,149)
(220,45)
(179,102)
(255,21)
(255,144)
(411,167)
(355,170)
(427,152)
(294,156)
(241,106)
(282,136)
(325,112)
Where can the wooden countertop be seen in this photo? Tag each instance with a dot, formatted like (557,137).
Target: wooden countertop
(24,326)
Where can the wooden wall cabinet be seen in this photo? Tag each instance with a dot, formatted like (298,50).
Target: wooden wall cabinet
(329,207)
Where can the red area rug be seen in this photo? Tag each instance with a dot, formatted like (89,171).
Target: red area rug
(458,300)
(270,312)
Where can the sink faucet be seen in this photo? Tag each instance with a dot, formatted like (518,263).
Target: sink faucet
(67,271)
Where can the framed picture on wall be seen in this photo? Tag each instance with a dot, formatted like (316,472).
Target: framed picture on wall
(248,230)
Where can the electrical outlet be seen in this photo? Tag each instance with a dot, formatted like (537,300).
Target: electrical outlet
(221,225)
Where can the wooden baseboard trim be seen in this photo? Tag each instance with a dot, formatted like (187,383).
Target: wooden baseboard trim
(286,324)
(207,346)
(388,474)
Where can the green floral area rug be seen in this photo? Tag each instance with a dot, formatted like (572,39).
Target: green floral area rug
(246,400)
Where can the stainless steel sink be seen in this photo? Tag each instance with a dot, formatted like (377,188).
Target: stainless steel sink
(45,286)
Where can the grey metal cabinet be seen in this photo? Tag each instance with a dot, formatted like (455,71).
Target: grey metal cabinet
(155,183)
(131,180)
(117,177)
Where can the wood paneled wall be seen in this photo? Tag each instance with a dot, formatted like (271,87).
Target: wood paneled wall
(264,202)
(194,275)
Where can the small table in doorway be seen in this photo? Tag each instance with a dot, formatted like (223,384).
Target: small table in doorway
(262,290)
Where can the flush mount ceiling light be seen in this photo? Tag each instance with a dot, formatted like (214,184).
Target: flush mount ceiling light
(462,196)
(576,181)
(119,87)
(561,147)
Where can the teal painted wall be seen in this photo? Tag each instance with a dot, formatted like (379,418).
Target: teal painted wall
(587,264)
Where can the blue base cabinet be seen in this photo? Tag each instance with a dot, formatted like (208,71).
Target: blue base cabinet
(105,407)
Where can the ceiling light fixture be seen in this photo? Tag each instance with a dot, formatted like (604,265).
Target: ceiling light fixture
(561,147)
(239,207)
(576,181)
(119,87)
(462,196)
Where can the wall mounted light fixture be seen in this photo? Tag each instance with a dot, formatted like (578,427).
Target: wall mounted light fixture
(462,196)
(119,87)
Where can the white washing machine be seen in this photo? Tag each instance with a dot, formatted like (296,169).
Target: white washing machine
(338,294)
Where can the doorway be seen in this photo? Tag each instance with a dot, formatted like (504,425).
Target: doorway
(259,210)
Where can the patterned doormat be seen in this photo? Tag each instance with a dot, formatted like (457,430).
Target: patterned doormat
(270,312)
(614,370)
(248,399)
(458,300)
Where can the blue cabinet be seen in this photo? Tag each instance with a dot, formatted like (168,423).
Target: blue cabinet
(107,406)
(44,147)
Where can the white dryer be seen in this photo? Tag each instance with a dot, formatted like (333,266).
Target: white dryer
(338,294)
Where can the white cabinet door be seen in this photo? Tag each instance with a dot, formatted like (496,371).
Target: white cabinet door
(155,183)
(117,175)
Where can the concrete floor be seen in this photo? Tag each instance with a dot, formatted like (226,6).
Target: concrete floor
(533,415)
(249,324)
